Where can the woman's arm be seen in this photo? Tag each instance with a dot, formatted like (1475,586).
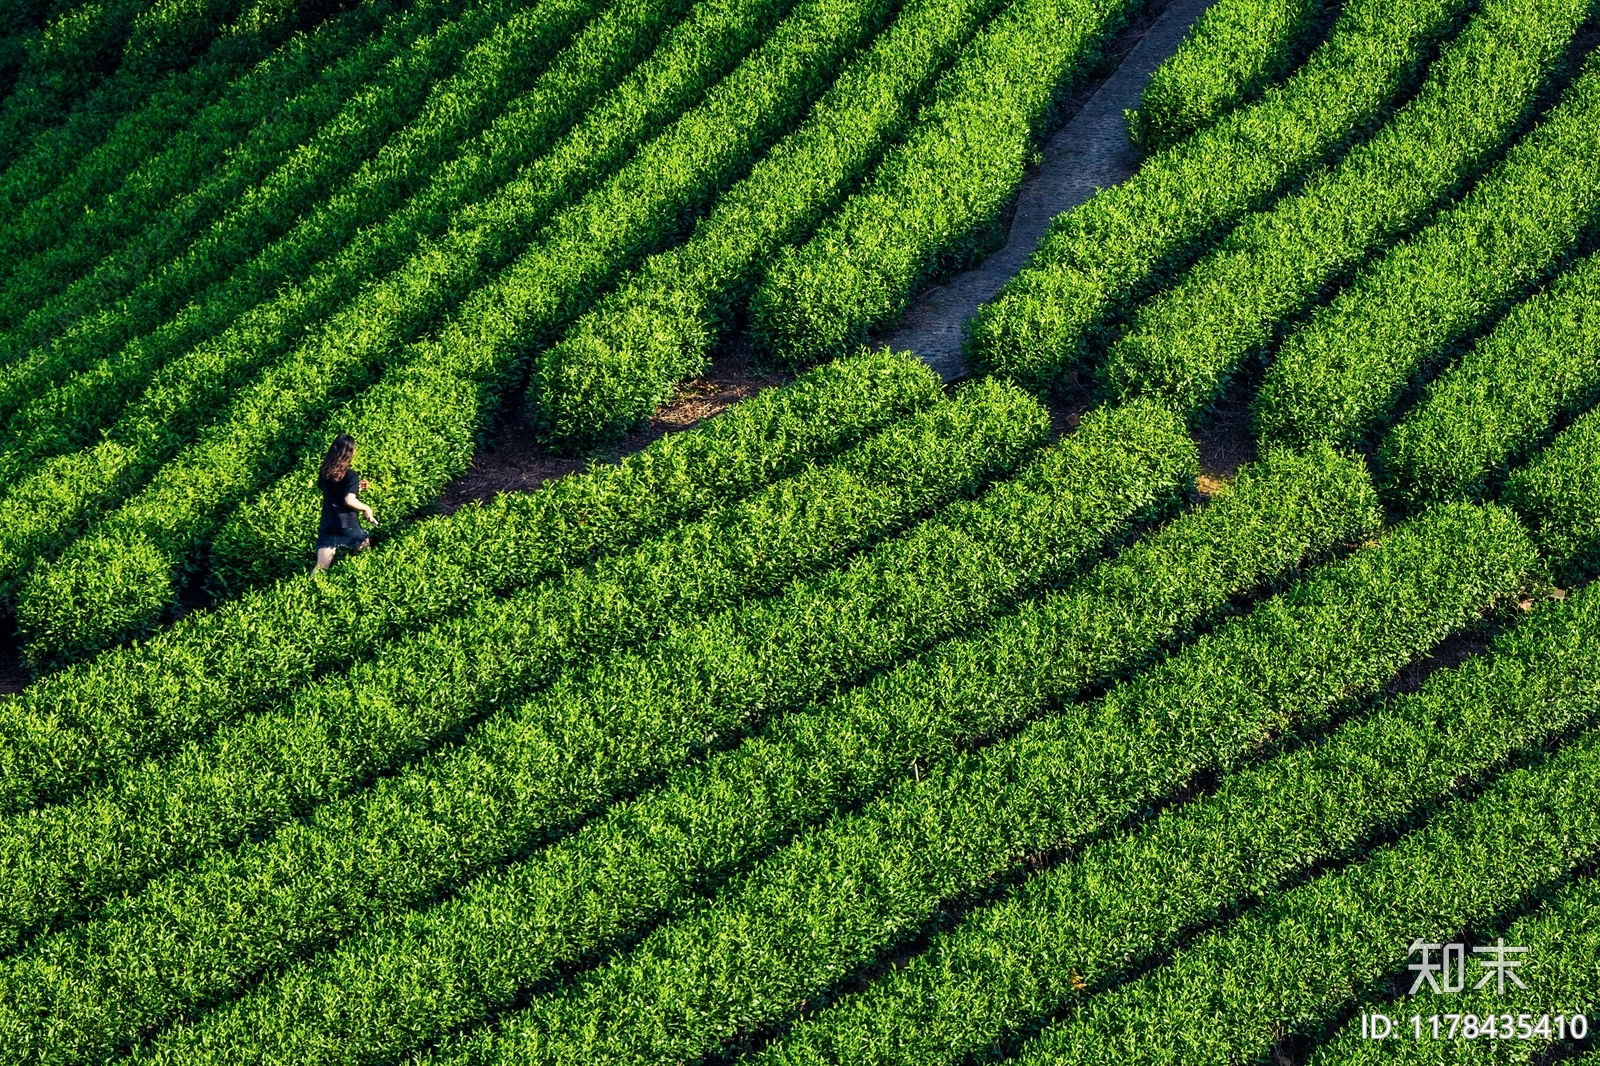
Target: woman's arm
(351,501)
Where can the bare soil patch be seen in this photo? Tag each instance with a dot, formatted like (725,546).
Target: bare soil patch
(1069,404)
(1447,656)
(515,461)
(12,674)
(1226,441)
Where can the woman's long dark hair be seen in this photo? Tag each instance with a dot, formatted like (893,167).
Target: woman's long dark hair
(336,464)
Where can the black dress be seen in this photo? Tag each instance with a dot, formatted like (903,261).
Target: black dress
(341,524)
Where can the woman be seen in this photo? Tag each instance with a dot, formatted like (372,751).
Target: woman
(340,527)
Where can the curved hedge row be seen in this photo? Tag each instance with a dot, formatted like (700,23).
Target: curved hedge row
(621,359)
(69,608)
(419,974)
(1541,680)
(933,201)
(55,857)
(186,394)
(1562,935)
(426,419)
(1558,494)
(1078,929)
(155,152)
(98,718)
(1098,258)
(837,899)
(1185,344)
(1344,375)
(419,692)
(1479,857)
(1234,50)
(187,378)
(78,47)
(82,44)
(455,107)
(1504,397)
(316,141)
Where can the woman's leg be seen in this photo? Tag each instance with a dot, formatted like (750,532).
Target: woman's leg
(364,545)
(324,558)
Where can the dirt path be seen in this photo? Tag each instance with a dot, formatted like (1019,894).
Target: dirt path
(515,461)
(1089,152)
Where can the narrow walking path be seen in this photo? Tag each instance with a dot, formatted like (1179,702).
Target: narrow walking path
(1091,151)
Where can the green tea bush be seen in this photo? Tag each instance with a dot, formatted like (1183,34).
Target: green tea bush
(490,228)
(188,369)
(90,176)
(1562,935)
(424,424)
(1234,50)
(836,899)
(1388,770)
(327,129)
(1503,399)
(119,46)
(513,928)
(933,202)
(490,73)
(621,359)
(1186,343)
(386,713)
(97,718)
(1467,866)
(281,415)
(1558,494)
(1344,376)
(1080,927)
(1127,240)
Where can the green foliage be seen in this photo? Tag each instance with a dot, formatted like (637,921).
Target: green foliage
(838,898)
(314,142)
(1562,935)
(648,204)
(188,369)
(1558,494)
(270,424)
(72,53)
(88,175)
(125,578)
(169,33)
(1344,375)
(414,693)
(1185,344)
(188,392)
(512,929)
(857,724)
(1234,50)
(37,513)
(1100,257)
(933,202)
(1126,901)
(491,72)
(426,421)
(1462,870)
(1503,399)
(97,718)
(621,359)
